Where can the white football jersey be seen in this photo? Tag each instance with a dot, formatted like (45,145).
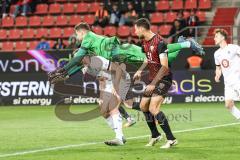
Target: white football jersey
(99,67)
(228,59)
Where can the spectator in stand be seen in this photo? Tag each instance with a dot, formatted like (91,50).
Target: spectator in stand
(101,16)
(129,17)
(23,5)
(115,16)
(108,5)
(144,14)
(192,21)
(5,7)
(181,19)
(72,44)
(175,31)
(59,44)
(43,45)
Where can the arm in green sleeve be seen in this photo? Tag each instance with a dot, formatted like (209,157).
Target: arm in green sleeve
(76,59)
(74,70)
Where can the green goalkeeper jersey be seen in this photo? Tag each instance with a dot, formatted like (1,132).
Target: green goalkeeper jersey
(110,47)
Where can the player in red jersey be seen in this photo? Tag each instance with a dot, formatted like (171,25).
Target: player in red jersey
(159,57)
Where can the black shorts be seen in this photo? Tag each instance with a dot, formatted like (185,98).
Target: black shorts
(161,88)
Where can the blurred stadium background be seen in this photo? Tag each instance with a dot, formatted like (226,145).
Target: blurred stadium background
(29,128)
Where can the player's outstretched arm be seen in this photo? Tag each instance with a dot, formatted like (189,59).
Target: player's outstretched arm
(161,73)
(137,75)
(163,70)
(61,74)
(76,60)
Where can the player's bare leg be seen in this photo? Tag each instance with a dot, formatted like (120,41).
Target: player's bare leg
(117,123)
(155,105)
(155,135)
(232,108)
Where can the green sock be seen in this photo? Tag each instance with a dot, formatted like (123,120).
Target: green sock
(174,47)
(172,56)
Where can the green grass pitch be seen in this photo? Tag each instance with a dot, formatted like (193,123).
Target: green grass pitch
(35,133)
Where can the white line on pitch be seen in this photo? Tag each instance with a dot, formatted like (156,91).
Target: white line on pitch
(94,143)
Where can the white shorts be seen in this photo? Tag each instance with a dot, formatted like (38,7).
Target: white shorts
(232,92)
(124,86)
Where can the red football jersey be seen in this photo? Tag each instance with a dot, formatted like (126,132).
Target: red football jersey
(152,51)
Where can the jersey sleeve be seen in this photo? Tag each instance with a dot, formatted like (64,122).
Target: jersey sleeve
(217,63)
(237,47)
(87,42)
(100,63)
(162,48)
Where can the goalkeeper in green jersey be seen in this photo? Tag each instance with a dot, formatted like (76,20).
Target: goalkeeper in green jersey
(111,49)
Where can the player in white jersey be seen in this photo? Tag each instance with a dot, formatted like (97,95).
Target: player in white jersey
(109,102)
(227,60)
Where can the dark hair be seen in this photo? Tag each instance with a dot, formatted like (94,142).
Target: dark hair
(143,22)
(82,25)
(223,32)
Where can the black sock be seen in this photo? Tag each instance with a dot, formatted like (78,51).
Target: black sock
(136,106)
(123,112)
(151,124)
(162,120)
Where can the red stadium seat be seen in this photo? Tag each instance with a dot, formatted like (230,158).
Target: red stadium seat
(82,8)
(97,30)
(51,43)
(201,15)
(55,32)
(205,4)
(94,7)
(154,28)
(67,32)
(41,9)
(61,1)
(89,19)
(34,21)
(177,5)
(21,46)
(157,18)
(7,46)
(110,31)
(164,30)
(28,33)
(186,14)
(15,34)
(21,21)
(33,44)
(62,20)
(7,22)
(55,8)
(163,5)
(75,20)
(191,4)
(68,8)
(48,21)
(3,34)
(170,17)
(41,32)
(123,31)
